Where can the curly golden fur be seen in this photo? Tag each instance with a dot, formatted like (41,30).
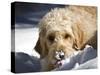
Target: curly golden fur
(67,29)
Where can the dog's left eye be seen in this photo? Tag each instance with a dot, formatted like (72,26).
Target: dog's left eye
(66,36)
(51,38)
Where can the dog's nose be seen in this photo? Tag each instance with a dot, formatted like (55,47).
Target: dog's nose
(60,55)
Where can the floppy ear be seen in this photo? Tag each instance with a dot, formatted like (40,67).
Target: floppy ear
(78,36)
(38,46)
(41,47)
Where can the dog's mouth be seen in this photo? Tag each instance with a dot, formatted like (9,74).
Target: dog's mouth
(59,56)
(58,63)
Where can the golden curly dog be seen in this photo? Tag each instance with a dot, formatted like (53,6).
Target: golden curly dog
(63,31)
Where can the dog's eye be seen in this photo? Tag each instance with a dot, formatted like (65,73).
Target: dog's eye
(66,36)
(51,38)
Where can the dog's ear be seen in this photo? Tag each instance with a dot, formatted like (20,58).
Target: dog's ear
(78,36)
(41,47)
(38,46)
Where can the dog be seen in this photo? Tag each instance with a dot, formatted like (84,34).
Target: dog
(62,31)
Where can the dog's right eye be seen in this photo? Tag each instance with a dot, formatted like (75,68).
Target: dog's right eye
(51,38)
(66,36)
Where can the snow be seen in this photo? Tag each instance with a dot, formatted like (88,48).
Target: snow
(25,40)
(88,65)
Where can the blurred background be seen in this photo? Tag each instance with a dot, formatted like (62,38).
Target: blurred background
(28,15)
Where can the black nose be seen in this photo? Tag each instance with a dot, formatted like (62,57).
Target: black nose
(61,57)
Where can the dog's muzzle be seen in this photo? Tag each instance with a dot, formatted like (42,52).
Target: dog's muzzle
(59,55)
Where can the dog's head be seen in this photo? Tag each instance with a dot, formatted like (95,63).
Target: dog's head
(58,38)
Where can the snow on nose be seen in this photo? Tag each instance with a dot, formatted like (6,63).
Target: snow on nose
(59,55)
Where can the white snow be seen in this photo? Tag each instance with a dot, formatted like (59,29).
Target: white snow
(25,40)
